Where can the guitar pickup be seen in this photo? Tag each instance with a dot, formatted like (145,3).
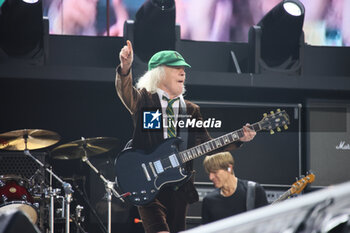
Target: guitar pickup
(159,167)
(173,160)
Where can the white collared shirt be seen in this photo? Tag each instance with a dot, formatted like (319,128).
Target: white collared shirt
(164,105)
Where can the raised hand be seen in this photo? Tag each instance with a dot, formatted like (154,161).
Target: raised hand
(126,57)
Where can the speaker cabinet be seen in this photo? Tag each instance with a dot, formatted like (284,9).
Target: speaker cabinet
(269,158)
(328,141)
(17,163)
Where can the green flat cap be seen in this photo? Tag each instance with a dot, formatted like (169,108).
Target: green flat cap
(168,58)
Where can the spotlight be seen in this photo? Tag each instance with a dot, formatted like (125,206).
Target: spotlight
(30,1)
(276,42)
(21,28)
(154,28)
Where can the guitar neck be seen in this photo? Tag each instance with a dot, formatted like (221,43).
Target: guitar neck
(214,144)
(297,187)
(283,197)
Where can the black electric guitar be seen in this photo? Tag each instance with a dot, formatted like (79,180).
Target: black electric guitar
(143,175)
(296,188)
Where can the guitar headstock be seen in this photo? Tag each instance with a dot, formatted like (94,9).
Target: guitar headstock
(298,186)
(275,120)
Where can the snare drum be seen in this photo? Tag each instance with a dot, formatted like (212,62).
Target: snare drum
(14,195)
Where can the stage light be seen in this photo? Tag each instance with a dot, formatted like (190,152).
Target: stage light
(276,42)
(154,28)
(30,1)
(21,28)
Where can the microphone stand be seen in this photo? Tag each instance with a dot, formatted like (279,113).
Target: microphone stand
(66,187)
(52,207)
(108,186)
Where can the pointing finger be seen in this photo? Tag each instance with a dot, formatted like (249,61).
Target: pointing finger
(129,46)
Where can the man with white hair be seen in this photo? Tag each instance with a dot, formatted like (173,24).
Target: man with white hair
(162,87)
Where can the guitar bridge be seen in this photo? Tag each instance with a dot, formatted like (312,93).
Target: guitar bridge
(146,172)
(152,169)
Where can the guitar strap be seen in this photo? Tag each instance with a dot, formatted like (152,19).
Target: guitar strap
(183,132)
(251,195)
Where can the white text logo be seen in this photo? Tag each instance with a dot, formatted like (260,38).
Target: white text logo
(343,146)
(193,123)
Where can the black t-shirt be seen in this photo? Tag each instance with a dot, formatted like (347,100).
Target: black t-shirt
(215,206)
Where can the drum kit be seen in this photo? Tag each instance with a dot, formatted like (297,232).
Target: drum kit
(19,193)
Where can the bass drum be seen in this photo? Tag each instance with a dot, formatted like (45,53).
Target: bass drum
(14,196)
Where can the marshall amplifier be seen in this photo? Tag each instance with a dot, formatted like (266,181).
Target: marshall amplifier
(269,158)
(328,141)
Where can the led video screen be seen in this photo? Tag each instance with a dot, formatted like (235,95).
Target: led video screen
(327,22)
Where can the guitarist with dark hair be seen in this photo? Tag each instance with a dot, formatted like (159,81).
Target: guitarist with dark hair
(159,92)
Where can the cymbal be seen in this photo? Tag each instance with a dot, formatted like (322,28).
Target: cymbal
(77,149)
(30,139)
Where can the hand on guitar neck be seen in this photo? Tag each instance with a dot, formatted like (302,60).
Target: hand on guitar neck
(249,133)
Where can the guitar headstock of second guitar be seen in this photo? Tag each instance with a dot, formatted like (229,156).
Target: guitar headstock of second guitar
(299,185)
(275,120)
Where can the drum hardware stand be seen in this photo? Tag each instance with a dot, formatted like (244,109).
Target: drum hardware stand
(66,187)
(52,207)
(91,208)
(52,194)
(38,189)
(61,210)
(79,219)
(108,186)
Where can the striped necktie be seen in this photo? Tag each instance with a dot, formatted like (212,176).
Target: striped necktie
(171,117)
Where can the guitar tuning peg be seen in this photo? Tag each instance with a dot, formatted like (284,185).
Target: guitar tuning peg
(272,112)
(278,110)
(285,127)
(265,114)
(278,129)
(272,132)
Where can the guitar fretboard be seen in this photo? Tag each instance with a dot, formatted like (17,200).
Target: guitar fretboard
(214,144)
(284,196)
